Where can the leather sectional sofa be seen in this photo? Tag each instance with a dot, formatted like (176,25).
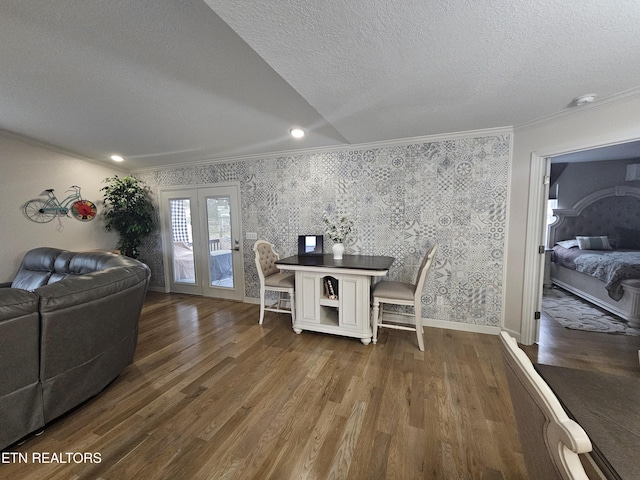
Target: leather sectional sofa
(68,327)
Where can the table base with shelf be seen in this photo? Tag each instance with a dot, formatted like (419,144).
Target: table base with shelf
(348,315)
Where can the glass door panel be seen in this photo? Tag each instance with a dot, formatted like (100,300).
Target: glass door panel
(179,209)
(182,241)
(219,230)
(220,219)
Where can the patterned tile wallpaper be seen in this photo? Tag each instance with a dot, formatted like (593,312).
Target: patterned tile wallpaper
(402,199)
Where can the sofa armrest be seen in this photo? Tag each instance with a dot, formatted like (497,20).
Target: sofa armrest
(83,315)
(89,333)
(20,390)
(19,339)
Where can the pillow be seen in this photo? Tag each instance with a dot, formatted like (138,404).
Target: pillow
(627,238)
(594,243)
(568,243)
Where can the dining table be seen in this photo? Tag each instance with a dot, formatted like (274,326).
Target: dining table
(345,311)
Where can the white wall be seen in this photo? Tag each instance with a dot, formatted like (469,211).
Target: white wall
(595,125)
(25,171)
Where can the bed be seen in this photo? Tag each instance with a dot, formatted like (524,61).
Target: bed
(596,251)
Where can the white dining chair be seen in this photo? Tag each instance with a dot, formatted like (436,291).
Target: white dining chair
(272,279)
(401,293)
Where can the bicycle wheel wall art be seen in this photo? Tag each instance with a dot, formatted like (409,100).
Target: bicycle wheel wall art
(43,210)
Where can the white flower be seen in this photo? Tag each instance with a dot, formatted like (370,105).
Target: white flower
(337,230)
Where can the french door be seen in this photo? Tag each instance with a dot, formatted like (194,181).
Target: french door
(202,241)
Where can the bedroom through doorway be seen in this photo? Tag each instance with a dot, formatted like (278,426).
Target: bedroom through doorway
(574,177)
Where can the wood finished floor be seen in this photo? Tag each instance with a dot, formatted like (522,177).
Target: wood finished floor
(212,394)
(602,352)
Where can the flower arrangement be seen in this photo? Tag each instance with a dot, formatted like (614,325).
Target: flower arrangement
(339,229)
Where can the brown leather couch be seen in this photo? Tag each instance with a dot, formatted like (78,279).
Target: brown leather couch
(68,327)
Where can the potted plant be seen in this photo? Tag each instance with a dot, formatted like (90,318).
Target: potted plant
(337,230)
(128,210)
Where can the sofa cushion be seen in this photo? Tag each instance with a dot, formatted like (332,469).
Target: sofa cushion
(36,268)
(61,267)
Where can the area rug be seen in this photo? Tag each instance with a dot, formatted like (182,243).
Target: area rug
(572,312)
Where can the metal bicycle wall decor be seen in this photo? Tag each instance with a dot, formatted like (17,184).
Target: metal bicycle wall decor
(43,210)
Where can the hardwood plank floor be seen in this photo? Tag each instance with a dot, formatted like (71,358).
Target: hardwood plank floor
(211,394)
(603,352)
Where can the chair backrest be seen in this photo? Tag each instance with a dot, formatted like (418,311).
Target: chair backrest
(266,258)
(550,440)
(422,272)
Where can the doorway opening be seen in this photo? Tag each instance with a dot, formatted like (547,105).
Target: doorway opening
(539,196)
(201,228)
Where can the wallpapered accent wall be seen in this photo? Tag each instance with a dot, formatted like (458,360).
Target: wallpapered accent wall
(402,199)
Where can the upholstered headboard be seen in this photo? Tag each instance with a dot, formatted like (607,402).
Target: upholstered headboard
(599,213)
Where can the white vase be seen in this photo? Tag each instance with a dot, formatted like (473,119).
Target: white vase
(338,250)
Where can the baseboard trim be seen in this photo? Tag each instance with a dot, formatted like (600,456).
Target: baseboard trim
(431,322)
(427,322)
(463,327)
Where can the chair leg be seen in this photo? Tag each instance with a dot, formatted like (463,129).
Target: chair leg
(374,320)
(292,299)
(280,304)
(262,295)
(419,329)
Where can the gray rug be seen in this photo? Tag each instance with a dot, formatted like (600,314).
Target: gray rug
(573,312)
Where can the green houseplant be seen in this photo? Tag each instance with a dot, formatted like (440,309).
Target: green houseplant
(128,210)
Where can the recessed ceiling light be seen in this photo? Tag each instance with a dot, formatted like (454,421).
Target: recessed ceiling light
(584,99)
(117,158)
(297,132)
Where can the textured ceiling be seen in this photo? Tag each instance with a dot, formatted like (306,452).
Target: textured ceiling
(164,82)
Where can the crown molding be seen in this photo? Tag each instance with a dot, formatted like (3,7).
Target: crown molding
(485,132)
(604,102)
(52,148)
